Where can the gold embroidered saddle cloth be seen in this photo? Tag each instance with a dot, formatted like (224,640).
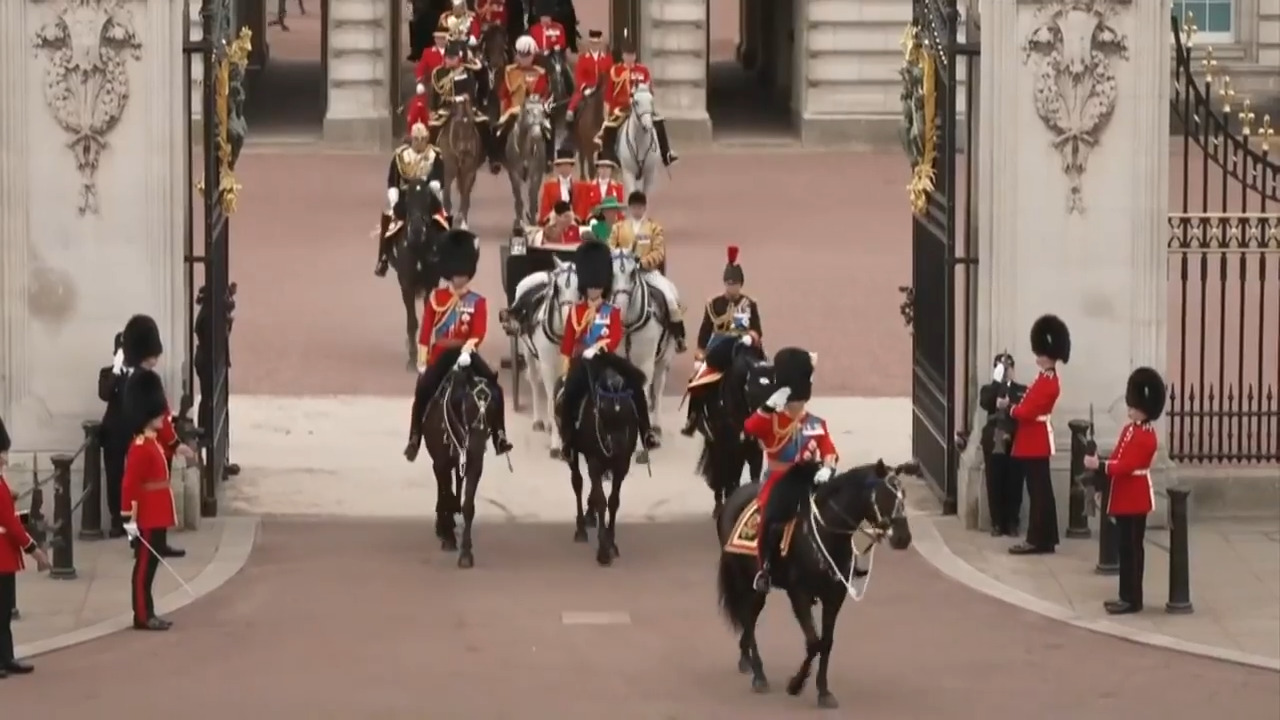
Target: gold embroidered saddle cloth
(745,537)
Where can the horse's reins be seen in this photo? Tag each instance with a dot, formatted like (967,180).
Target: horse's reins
(878,531)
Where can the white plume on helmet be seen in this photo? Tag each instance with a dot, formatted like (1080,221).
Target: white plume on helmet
(526,45)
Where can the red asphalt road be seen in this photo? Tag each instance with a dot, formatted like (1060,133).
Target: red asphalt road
(370,620)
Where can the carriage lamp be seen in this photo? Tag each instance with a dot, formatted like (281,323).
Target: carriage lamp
(519,244)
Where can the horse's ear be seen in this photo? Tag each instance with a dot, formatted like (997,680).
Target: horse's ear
(882,470)
(908,468)
(560,264)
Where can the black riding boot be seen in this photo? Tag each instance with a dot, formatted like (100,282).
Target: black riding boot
(693,414)
(501,445)
(550,149)
(770,538)
(428,385)
(676,328)
(570,402)
(384,247)
(608,139)
(492,148)
(669,157)
(640,396)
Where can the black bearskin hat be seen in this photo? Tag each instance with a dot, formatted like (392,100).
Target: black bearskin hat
(628,44)
(793,368)
(144,399)
(1146,393)
(1050,338)
(140,340)
(5,441)
(458,254)
(593,263)
(732,270)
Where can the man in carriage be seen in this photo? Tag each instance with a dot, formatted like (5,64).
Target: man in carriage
(458,81)
(414,161)
(595,63)
(646,239)
(454,323)
(520,80)
(561,187)
(432,58)
(730,318)
(624,77)
(603,186)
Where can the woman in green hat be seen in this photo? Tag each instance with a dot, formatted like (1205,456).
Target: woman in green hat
(604,216)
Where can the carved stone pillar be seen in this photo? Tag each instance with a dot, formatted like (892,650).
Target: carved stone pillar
(92,232)
(1073,199)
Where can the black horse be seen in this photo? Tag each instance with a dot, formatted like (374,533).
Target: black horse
(607,433)
(455,426)
(866,503)
(415,250)
(746,384)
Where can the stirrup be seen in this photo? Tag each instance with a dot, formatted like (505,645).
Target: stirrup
(761,583)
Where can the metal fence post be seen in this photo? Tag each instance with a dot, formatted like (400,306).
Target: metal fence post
(1179,555)
(1108,540)
(64,566)
(91,510)
(1077,519)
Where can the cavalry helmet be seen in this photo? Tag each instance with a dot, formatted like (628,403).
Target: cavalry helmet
(459,254)
(593,264)
(140,340)
(1146,393)
(732,270)
(5,441)
(526,46)
(419,132)
(144,399)
(793,368)
(1050,338)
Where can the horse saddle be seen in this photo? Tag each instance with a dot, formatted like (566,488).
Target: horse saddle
(704,375)
(745,537)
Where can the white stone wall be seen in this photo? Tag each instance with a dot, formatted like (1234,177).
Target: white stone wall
(673,34)
(359,53)
(1269,39)
(70,281)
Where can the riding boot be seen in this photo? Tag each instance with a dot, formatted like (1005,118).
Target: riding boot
(384,247)
(767,548)
(608,138)
(550,142)
(647,437)
(676,328)
(570,400)
(669,157)
(693,414)
(501,445)
(428,385)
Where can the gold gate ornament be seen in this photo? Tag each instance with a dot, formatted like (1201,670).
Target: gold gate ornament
(919,116)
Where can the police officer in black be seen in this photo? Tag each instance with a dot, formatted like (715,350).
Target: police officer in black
(1003,475)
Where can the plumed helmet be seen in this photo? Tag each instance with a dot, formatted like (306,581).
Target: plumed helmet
(419,131)
(793,368)
(593,264)
(732,270)
(144,399)
(1050,338)
(458,254)
(141,340)
(526,45)
(1146,393)
(5,441)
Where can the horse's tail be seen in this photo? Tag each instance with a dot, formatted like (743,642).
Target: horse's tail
(705,466)
(731,589)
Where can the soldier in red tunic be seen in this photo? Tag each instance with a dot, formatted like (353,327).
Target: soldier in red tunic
(595,63)
(455,320)
(1033,438)
(1132,495)
(592,334)
(146,498)
(549,34)
(790,434)
(14,542)
(623,79)
(432,58)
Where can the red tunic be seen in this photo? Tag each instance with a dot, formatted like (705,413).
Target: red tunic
(1130,471)
(588,326)
(14,540)
(449,320)
(595,193)
(572,235)
(168,436)
(551,195)
(492,12)
(432,58)
(1034,436)
(549,36)
(587,74)
(623,79)
(417,111)
(146,482)
(788,440)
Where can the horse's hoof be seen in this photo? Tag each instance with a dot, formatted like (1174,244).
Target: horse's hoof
(759,685)
(590,520)
(715,513)
(827,701)
(449,545)
(604,558)
(642,457)
(539,426)
(744,664)
(657,431)
(795,685)
(580,535)
(556,454)
(466,560)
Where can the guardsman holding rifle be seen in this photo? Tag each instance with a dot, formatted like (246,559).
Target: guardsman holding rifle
(1004,481)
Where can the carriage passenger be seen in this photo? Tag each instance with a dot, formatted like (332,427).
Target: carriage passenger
(790,435)
(604,216)
(454,323)
(603,186)
(647,241)
(563,187)
(729,318)
(520,80)
(432,58)
(595,63)
(414,161)
(592,334)
(563,228)
(623,80)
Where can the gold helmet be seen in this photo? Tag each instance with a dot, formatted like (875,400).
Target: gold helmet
(418,132)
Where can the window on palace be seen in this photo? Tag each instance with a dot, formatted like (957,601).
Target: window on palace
(1214,19)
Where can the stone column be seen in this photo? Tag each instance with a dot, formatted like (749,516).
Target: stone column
(358,112)
(673,35)
(83,249)
(1086,242)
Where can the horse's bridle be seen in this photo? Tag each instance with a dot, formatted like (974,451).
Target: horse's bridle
(876,528)
(482,395)
(555,300)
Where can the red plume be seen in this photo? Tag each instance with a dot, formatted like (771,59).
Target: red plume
(733,254)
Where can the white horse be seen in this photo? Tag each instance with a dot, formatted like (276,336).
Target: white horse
(646,341)
(542,305)
(525,158)
(639,157)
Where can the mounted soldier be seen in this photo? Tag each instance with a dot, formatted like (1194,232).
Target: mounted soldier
(413,162)
(595,63)
(602,186)
(729,318)
(458,81)
(553,41)
(461,24)
(520,80)
(624,78)
(646,239)
(432,58)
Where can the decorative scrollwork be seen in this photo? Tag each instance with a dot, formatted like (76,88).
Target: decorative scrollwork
(919,116)
(86,83)
(228,106)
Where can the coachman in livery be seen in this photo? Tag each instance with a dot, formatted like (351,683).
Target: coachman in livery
(413,162)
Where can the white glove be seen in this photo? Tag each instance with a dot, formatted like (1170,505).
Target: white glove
(568,116)
(997,373)
(471,42)
(824,474)
(422,89)
(590,352)
(464,360)
(747,340)
(778,398)
(393,194)
(422,367)
(131,530)
(434,185)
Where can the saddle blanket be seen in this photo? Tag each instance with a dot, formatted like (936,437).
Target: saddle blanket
(703,376)
(745,538)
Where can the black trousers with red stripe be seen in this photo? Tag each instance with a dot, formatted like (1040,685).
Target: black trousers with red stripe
(8,601)
(145,565)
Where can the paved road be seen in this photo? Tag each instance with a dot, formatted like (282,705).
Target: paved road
(371,620)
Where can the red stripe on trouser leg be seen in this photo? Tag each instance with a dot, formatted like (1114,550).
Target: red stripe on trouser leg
(140,577)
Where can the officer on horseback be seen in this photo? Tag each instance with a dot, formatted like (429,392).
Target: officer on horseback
(646,239)
(790,435)
(458,81)
(623,79)
(729,318)
(592,334)
(414,161)
(520,80)
(454,323)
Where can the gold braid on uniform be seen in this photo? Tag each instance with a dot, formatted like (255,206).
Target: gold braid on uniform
(442,313)
(723,323)
(785,435)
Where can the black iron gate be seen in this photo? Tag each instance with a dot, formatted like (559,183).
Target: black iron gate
(223,58)
(937,302)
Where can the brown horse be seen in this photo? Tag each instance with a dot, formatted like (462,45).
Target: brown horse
(586,126)
(462,149)
(495,55)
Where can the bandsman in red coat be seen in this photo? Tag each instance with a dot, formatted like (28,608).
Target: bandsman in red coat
(561,187)
(146,496)
(594,64)
(624,78)
(455,320)
(432,58)
(603,186)
(1033,439)
(790,434)
(14,543)
(1132,495)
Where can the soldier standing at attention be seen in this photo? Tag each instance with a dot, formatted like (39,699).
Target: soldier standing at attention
(413,162)
(14,543)
(1033,439)
(1132,495)
(1004,481)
